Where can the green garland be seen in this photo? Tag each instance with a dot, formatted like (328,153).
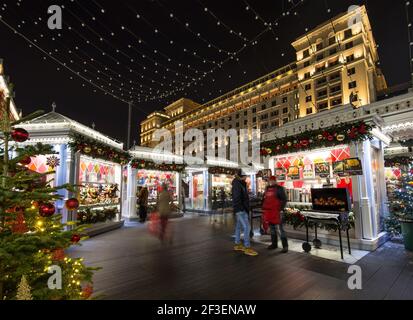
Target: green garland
(398,161)
(150,165)
(94,149)
(222,170)
(332,136)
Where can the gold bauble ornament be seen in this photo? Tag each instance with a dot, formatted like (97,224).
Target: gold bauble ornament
(340,137)
(87,149)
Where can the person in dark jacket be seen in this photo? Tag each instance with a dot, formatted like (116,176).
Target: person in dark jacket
(274,203)
(241,206)
(143,204)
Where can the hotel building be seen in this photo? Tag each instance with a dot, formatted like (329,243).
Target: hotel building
(336,64)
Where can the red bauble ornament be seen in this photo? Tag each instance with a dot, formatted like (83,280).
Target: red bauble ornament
(58,255)
(330,138)
(75,238)
(19,226)
(19,135)
(362,129)
(72,204)
(304,143)
(87,291)
(46,210)
(25,161)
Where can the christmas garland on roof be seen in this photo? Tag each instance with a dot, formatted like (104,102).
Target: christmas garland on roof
(327,137)
(141,164)
(398,161)
(95,149)
(222,170)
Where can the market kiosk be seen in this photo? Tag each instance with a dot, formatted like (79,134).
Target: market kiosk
(83,157)
(152,169)
(210,185)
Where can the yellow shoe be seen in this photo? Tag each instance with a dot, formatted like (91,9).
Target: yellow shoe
(250,252)
(239,247)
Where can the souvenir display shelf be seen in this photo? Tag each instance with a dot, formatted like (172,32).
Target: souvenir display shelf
(153,180)
(299,173)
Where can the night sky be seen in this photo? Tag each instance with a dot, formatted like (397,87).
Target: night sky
(141,44)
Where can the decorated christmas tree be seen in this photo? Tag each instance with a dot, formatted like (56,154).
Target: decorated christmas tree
(401,203)
(33,239)
(402,198)
(24,290)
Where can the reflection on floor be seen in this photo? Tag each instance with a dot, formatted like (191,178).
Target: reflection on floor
(326,251)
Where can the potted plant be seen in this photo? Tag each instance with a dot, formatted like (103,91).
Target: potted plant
(402,209)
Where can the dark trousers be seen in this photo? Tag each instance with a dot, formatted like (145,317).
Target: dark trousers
(143,211)
(274,235)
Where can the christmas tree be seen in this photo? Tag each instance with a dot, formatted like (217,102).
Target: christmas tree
(402,198)
(33,239)
(401,202)
(24,290)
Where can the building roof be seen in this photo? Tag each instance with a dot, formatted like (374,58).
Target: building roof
(54,123)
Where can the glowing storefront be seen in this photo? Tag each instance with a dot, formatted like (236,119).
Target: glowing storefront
(307,154)
(84,157)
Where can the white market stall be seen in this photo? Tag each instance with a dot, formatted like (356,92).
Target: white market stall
(83,157)
(341,148)
(152,169)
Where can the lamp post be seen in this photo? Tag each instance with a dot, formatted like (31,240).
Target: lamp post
(130,104)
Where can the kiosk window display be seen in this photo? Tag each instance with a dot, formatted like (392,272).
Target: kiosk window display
(84,158)
(198,190)
(153,180)
(99,182)
(301,172)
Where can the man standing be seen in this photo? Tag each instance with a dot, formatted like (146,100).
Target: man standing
(240,202)
(274,203)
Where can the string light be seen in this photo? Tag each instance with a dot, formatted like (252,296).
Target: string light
(196,34)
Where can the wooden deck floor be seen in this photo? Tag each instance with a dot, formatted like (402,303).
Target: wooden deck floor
(200,264)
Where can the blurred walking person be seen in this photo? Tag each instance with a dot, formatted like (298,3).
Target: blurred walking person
(164,209)
(274,204)
(240,202)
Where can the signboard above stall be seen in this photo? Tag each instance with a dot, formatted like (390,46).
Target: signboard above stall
(281,174)
(322,169)
(348,167)
(294,173)
(352,167)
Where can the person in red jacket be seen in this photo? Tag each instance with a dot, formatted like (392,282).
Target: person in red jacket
(274,203)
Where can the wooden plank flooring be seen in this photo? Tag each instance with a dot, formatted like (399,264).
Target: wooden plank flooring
(200,264)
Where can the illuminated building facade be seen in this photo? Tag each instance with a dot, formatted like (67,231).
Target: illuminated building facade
(5,90)
(336,64)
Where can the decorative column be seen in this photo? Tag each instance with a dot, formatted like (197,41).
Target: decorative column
(129,210)
(179,190)
(71,177)
(253,178)
(363,193)
(207,190)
